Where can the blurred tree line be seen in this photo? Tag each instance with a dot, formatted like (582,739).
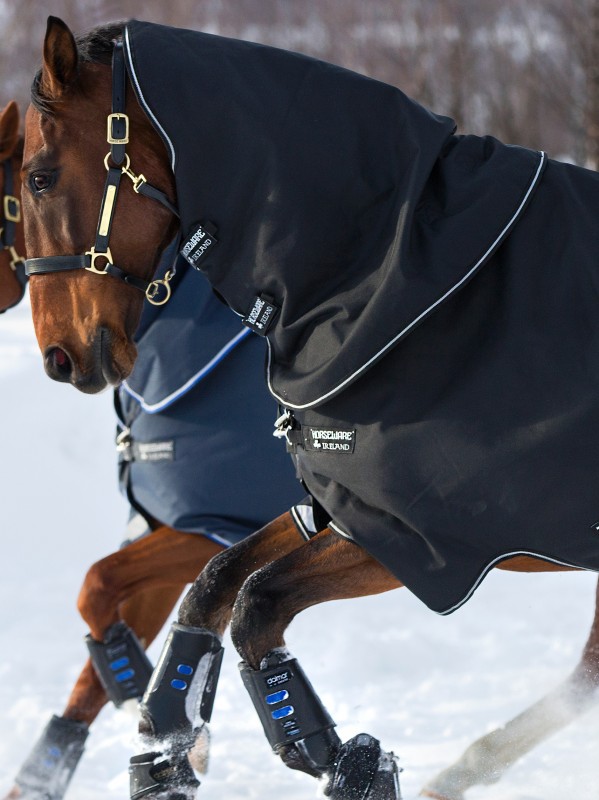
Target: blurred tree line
(527,73)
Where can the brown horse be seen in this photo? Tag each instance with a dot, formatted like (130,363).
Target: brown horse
(139,584)
(84,326)
(142,582)
(12,244)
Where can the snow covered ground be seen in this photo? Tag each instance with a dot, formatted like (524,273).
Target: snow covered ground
(426,685)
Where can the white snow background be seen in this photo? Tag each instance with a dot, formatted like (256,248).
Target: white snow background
(426,685)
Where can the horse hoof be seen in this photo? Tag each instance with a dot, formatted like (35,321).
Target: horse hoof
(154,776)
(14,794)
(363,771)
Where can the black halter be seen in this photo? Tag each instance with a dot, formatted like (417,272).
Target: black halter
(117,137)
(11,210)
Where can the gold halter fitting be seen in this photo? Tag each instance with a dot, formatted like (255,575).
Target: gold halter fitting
(156,286)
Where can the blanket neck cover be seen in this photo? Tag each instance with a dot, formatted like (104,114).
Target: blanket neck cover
(347,221)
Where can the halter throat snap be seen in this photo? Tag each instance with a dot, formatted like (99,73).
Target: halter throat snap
(98,259)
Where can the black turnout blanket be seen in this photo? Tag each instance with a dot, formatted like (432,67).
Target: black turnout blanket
(429,300)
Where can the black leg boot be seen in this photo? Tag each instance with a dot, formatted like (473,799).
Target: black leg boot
(47,771)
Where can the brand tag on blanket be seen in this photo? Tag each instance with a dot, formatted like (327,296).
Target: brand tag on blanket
(154,451)
(261,315)
(200,241)
(329,440)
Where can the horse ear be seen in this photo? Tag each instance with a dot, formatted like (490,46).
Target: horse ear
(9,130)
(59,67)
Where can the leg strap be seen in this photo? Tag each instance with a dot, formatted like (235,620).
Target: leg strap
(48,770)
(180,695)
(297,725)
(151,773)
(121,663)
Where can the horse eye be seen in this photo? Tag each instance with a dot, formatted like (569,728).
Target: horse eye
(41,181)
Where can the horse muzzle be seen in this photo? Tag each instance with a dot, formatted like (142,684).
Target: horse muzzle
(90,378)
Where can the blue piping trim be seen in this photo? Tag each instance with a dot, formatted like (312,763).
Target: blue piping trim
(155,408)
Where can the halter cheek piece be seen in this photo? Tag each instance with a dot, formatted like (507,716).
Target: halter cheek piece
(158,291)
(11,209)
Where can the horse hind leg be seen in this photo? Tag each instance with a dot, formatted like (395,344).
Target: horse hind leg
(139,584)
(487,759)
(296,724)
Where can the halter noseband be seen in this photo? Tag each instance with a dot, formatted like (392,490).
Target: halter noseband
(117,137)
(11,209)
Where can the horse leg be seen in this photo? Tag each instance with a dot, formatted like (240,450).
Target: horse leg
(489,757)
(296,724)
(189,665)
(137,586)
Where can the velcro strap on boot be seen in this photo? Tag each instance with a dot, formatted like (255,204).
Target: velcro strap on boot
(48,769)
(121,663)
(288,707)
(151,773)
(180,695)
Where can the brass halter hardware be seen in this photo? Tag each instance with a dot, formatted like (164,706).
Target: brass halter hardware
(106,255)
(117,164)
(12,208)
(160,285)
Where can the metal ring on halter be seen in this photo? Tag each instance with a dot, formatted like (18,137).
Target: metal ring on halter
(92,267)
(155,287)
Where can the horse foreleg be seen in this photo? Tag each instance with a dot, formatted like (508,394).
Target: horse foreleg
(489,757)
(295,722)
(190,663)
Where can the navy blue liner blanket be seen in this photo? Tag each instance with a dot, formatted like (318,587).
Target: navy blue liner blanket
(196,450)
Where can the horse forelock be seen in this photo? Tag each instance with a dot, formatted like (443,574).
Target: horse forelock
(93,47)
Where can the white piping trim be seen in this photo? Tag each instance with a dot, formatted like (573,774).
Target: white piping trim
(490,566)
(304,520)
(154,408)
(142,99)
(483,574)
(414,322)
(341,532)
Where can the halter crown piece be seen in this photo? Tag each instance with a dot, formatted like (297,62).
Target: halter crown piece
(157,292)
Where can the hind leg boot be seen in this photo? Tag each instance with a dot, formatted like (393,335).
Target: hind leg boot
(48,770)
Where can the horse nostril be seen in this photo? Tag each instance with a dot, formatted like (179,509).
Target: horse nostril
(58,364)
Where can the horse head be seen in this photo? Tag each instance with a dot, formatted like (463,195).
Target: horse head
(12,245)
(85,318)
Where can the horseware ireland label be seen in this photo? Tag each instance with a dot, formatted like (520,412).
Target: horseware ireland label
(198,243)
(329,440)
(154,451)
(261,314)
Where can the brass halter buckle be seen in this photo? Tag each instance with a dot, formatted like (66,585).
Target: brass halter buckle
(92,267)
(157,286)
(12,208)
(109,137)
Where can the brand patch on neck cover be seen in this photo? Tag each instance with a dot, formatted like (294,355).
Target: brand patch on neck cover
(329,440)
(261,315)
(199,241)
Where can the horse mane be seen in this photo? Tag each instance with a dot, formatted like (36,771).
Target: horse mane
(93,47)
